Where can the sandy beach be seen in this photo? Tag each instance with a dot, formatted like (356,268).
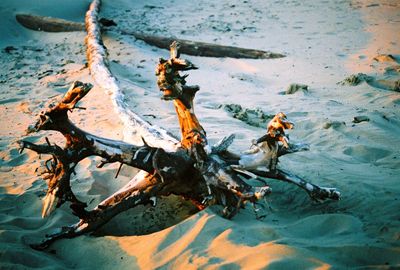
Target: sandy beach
(347,53)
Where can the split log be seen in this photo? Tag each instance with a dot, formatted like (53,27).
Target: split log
(188,47)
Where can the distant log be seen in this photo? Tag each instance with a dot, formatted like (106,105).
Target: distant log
(204,49)
(49,24)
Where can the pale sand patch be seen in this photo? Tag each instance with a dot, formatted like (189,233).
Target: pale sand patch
(382,24)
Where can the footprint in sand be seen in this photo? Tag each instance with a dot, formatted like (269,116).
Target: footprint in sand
(366,154)
(253,117)
(295,87)
(385,84)
(385,58)
(355,79)
(392,70)
(391,80)
(24,107)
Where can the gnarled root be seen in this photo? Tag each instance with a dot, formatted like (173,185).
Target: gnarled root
(194,171)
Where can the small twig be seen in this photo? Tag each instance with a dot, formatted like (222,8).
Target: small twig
(21,147)
(102,163)
(119,169)
(47,140)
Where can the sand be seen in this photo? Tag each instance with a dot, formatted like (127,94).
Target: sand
(325,43)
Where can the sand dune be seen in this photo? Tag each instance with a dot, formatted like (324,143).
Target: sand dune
(325,42)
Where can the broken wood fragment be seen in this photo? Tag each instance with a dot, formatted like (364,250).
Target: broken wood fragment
(360,118)
(264,151)
(295,87)
(334,124)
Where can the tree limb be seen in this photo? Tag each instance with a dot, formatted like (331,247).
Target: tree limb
(195,48)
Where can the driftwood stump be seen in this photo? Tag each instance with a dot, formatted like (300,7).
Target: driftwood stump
(197,172)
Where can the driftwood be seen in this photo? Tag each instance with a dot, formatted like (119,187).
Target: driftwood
(48,24)
(189,168)
(204,49)
(188,47)
(195,171)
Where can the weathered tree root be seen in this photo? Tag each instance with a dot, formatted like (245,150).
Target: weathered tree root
(205,175)
(193,172)
(167,172)
(80,145)
(316,193)
(48,24)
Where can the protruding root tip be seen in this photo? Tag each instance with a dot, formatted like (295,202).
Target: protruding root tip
(49,203)
(31,129)
(21,146)
(336,195)
(262,192)
(326,193)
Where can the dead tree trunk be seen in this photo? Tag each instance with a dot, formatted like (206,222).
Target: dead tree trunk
(191,169)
